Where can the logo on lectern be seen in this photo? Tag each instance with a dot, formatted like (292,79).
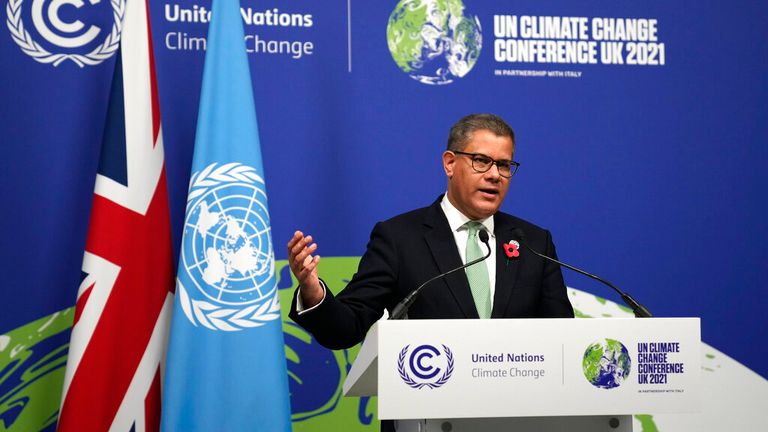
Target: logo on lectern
(425,366)
(606,363)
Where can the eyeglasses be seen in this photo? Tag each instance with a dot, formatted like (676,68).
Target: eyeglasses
(482,163)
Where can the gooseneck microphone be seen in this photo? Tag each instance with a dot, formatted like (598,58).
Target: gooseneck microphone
(639,310)
(402,308)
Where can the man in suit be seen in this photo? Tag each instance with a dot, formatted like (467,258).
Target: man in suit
(409,249)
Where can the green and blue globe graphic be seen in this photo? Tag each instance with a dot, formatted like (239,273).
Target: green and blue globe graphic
(606,363)
(433,41)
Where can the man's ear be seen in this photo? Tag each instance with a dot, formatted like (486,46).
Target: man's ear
(449,162)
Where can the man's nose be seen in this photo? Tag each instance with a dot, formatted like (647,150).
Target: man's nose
(493,174)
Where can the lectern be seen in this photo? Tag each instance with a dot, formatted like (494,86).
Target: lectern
(529,374)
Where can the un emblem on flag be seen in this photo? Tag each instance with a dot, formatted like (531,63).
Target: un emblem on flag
(227,270)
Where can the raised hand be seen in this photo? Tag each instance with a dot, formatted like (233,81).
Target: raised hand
(304,266)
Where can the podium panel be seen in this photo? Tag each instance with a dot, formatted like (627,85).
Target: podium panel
(454,369)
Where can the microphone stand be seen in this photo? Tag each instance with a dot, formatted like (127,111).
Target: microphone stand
(402,308)
(639,310)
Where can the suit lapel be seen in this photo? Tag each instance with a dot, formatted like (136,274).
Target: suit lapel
(506,269)
(441,243)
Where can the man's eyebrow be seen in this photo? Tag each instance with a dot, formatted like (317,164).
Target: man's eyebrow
(497,160)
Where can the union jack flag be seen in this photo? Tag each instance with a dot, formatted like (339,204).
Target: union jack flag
(112,380)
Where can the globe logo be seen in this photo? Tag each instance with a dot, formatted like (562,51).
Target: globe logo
(227,254)
(606,363)
(433,41)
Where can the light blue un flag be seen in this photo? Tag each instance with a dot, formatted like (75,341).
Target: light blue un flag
(226,367)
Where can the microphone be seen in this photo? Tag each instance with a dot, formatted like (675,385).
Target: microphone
(402,308)
(639,310)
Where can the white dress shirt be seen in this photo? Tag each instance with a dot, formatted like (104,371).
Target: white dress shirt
(456,221)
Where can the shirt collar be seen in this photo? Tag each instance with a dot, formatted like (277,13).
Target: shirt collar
(457,219)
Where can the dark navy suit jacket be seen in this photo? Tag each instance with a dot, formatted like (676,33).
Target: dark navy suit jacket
(411,248)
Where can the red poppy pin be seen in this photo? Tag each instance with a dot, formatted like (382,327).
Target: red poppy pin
(512,249)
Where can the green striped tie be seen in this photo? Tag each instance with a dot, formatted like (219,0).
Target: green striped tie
(477,274)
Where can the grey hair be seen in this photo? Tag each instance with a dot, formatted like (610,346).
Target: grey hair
(461,132)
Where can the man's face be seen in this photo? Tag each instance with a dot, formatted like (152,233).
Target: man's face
(478,195)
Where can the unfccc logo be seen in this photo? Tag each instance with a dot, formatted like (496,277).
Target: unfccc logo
(428,366)
(59,33)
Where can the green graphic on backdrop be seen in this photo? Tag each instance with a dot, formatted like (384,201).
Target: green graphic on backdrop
(33,359)
(433,41)
(32,362)
(321,407)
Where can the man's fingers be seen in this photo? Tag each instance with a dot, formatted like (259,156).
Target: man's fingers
(296,237)
(299,258)
(307,252)
(311,264)
(295,241)
(301,244)
(309,267)
(295,246)
(303,264)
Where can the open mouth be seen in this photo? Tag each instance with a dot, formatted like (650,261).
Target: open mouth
(489,192)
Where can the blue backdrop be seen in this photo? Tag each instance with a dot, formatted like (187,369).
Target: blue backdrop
(650,175)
